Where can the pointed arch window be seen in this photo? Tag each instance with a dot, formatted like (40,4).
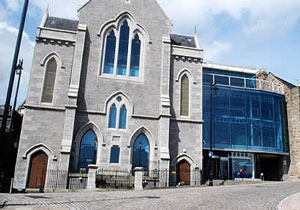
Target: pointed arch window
(112,116)
(49,81)
(140,153)
(135,56)
(110,53)
(88,150)
(123,49)
(185,96)
(123,117)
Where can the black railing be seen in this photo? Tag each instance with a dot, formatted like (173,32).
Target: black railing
(114,179)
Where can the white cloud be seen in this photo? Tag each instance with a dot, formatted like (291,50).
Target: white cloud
(259,18)
(8,35)
(217,48)
(13,5)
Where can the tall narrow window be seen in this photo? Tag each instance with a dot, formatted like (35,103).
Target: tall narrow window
(114,154)
(135,57)
(141,152)
(49,81)
(185,96)
(123,49)
(112,116)
(88,150)
(110,53)
(123,116)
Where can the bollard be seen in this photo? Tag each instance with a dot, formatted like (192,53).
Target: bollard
(91,184)
(138,178)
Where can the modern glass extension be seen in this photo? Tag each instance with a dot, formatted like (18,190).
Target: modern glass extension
(243,118)
(248,121)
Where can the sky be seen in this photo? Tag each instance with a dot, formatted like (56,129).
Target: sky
(250,33)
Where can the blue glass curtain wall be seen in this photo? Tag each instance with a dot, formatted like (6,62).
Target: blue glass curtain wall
(244,119)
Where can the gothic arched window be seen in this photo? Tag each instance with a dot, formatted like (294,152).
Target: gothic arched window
(112,116)
(135,56)
(140,155)
(123,49)
(110,53)
(123,117)
(88,150)
(49,81)
(184,96)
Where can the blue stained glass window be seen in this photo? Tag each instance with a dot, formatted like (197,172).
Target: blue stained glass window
(110,53)
(112,116)
(123,117)
(88,150)
(114,154)
(141,152)
(135,57)
(123,49)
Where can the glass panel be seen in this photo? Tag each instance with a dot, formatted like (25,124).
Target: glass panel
(277,102)
(238,132)
(222,132)
(141,152)
(110,53)
(49,81)
(207,78)
(251,83)
(135,57)
(254,133)
(114,154)
(112,116)
(238,82)
(88,150)
(123,49)
(267,107)
(123,117)
(185,94)
(269,134)
(221,102)
(237,103)
(221,80)
(242,168)
(253,105)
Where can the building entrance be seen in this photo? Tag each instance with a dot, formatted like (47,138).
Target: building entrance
(269,166)
(38,169)
(183,172)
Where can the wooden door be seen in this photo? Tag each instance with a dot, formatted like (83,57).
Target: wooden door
(183,172)
(38,169)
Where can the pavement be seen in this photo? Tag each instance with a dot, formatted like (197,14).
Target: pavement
(266,195)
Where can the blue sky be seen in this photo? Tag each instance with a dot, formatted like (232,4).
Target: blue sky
(251,33)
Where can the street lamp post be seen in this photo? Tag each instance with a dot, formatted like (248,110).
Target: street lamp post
(214,88)
(12,73)
(19,69)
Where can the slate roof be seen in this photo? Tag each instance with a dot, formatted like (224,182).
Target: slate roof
(183,40)
(61,23)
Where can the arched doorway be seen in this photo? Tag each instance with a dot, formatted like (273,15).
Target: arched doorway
(140,155)
(183,172)
(88,150)
(38,170)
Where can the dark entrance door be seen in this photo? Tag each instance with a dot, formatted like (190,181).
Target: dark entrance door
(183,172)
(38,169)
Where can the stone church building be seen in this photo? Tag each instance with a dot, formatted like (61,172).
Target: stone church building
(117,90)
(108,88)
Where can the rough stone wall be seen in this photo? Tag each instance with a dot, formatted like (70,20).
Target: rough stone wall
(292,96)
